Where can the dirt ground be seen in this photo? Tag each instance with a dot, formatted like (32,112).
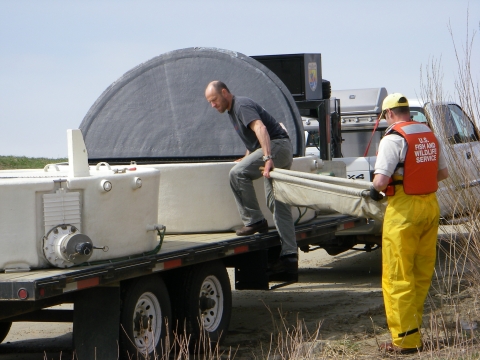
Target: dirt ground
(339,296)
(340,293)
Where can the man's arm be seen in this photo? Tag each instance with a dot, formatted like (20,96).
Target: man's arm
(264,139)
(380,182)
(442,174)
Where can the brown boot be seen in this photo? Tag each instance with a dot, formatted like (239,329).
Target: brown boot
(261,227)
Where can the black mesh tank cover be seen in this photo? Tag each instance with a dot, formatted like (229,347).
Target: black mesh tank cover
(158,109)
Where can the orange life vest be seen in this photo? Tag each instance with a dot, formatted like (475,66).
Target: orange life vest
(421,161)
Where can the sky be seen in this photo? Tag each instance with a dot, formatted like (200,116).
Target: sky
(58,56)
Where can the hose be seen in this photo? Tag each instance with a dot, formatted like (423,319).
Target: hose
(300,215)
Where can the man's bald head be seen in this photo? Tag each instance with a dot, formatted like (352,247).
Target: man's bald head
(219,96)
(218,86)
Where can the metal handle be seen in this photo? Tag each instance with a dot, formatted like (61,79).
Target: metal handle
(51,165)
(104,164)
(104,248)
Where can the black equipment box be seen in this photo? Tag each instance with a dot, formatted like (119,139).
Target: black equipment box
(301,73)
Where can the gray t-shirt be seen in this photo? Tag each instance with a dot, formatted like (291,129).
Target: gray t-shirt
(243,112)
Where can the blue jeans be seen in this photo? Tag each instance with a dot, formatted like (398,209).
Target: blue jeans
(241,182)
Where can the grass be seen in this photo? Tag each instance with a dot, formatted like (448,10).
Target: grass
(23,162)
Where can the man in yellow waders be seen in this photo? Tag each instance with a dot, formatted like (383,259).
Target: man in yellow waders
(408,168)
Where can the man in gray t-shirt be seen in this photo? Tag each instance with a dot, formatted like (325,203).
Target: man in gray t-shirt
(268,145)
(243,112)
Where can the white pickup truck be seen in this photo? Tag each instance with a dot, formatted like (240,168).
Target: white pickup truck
(359,111)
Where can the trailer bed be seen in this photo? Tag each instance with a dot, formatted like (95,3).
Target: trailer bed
(176,251)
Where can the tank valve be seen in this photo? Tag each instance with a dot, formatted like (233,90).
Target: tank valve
(84,248)
(65,246)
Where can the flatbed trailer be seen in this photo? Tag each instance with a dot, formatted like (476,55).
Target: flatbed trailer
(120,302)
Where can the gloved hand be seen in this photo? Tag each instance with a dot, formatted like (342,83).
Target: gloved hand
(375,194)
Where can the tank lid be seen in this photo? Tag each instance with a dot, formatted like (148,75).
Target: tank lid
(361,101)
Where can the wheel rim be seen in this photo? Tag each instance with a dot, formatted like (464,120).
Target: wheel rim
(146,325)
(211,303)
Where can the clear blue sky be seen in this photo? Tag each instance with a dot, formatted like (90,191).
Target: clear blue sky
(58,56)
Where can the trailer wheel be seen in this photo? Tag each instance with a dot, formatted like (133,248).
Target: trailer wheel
(4,329)
(204,304)
(145,318)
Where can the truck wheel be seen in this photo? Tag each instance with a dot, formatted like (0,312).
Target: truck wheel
(145,318)
(205,304)
(4,329)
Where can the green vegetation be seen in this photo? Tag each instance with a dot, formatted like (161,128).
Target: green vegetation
(23,162)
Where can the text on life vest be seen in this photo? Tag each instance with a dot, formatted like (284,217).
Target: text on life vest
(425,151)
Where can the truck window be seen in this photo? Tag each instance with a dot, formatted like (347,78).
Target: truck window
(459,128)
(417,114)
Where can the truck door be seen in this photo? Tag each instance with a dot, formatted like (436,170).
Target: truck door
(460,139)
(459,133)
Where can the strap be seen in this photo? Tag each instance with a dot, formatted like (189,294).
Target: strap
(395,132)
(399,165)
(371,136)
(410,332)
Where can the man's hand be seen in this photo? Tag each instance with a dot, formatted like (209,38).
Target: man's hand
(375,194)
(268,168)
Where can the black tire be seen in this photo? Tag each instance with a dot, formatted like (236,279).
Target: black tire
(4,329)
(326,89)
(145,318)
(203,305)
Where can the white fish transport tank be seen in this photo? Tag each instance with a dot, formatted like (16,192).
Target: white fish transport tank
(67,214)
